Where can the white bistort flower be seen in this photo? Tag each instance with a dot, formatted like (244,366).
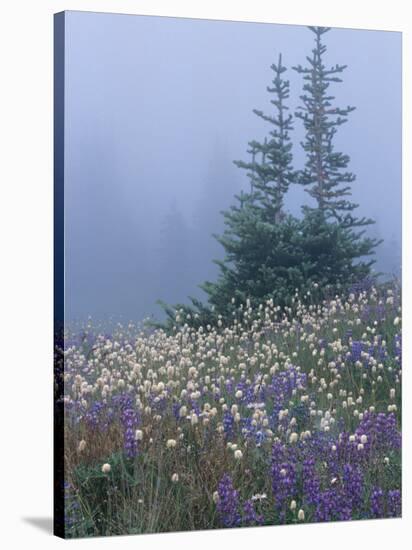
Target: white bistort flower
(106,468)
(293,438)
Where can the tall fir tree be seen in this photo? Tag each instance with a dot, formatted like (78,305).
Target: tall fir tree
(325,175)
(271,171)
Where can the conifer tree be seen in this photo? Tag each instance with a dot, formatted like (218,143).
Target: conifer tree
(271,176)
(325,175)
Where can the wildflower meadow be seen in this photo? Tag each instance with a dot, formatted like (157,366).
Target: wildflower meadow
(279,418)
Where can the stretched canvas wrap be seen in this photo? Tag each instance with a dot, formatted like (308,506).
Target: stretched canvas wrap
(227,274)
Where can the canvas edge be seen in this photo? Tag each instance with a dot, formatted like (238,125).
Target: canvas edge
(59,23)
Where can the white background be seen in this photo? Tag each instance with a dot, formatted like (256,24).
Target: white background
(26,233)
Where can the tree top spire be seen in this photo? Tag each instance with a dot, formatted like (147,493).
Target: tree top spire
(319,30)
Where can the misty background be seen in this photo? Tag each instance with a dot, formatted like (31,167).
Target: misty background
(157,109)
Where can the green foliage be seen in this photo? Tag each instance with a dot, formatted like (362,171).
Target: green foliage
(264,260)
(272,261)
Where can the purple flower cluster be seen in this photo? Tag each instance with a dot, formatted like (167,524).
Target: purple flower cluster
(228,423)
(377,503)
(96,416)
(381,430)
(356,350)
(378,351)
(327,474)
(130,421)
(385,504)
(364,285)
(353,485)
(311,482)
(281,388)
(332,504)
(232,512)
(283,476)
(373,313)
(250,516)
(229,503)
(394,504)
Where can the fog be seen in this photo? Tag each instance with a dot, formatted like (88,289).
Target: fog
(156,111)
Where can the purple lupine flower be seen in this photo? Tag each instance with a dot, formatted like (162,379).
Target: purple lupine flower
(356,350)
(96,415)
(326,503)
(176,411)
(311,482)
(228,503)
(130,422)
(249,516)
(364,285)
(333,504)
(158,404)
(194,406)
(229,386)
(283,483)
(377,503)
(381,430)
(228,423)
(283,384)
(248,391)
(353,485)
(394,504)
